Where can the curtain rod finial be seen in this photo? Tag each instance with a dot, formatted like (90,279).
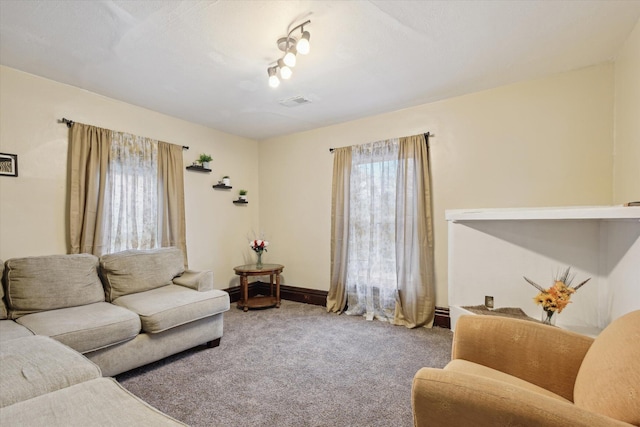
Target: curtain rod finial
(67,122)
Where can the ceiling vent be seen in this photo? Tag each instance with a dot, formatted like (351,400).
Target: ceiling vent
(295,101)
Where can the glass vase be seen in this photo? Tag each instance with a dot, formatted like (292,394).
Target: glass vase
(259,263)
(549,317)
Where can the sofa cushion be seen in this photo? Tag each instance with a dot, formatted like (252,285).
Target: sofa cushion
(172,305)
(132,271)
(3,307)
(35,284)
(36,365)
(99,402)
(608,381)
(10,330)
(85,328)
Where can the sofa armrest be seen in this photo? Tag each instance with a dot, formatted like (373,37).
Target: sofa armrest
(523,349)
(197,280)
(447,398)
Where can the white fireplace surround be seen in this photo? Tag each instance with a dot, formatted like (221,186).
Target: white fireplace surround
(490,250)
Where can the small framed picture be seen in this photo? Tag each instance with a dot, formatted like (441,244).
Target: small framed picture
(8,164)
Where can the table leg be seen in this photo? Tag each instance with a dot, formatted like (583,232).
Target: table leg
(271,284)
(278,290)
(245,291)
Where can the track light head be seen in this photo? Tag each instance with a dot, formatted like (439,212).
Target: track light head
(274,81)
(302,46)
(290,57)
(285,72)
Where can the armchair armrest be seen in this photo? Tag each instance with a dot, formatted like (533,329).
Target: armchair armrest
(448,398)
(197,280)
(527,350)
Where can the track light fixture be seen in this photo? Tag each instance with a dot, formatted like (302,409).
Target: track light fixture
(291,46)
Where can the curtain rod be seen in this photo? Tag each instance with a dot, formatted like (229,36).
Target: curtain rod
(70,123)
(426,137)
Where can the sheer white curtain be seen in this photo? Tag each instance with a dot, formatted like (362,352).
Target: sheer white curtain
(371,271)
(132,193)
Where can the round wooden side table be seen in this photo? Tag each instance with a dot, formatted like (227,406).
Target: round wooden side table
(271,270)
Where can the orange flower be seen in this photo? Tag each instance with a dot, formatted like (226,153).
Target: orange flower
(558,296)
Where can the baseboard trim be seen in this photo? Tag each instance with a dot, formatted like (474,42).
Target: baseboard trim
(317,297)
(442,318)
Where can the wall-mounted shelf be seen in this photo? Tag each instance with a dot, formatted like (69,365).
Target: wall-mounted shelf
(222,187)
(240,202)
(198,169)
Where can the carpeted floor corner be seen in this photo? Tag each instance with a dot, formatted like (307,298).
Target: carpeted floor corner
(294,366)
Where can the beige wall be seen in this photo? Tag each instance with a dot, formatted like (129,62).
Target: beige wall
(33,206)
(546,142)
(626,177)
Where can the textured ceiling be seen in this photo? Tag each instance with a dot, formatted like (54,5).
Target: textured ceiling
(206,61)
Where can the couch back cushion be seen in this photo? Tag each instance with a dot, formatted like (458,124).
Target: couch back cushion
(42,283)
(3,307)
(134,271)
(608,381)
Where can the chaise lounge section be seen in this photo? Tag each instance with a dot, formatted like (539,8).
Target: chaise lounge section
(44,382)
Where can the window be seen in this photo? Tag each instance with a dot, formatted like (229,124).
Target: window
(371,272)
(132,199)
(382,232)
(125,192)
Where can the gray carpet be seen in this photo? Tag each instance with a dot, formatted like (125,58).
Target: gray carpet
(294,366)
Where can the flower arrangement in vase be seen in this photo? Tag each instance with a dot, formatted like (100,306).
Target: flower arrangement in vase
(554,299)
(258,247)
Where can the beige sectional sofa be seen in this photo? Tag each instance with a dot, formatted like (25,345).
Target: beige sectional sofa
(45,383)
(120,311)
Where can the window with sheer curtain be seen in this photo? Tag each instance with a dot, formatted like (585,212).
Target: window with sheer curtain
(126,192)
(132,195)
(371,272)
(381,232)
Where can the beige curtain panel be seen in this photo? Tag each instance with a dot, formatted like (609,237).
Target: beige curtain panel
(100,174)
(337,297)
(171,216)
(414,235)
(88,164)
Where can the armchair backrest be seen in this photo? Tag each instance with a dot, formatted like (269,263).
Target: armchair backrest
(608,381)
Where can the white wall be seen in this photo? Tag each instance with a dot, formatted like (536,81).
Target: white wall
(33,206)
(546,142)
(626,178)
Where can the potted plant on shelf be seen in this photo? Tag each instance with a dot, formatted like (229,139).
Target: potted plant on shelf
(204,160)
(226,180)
(243,195)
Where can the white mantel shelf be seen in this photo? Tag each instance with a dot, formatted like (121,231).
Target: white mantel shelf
(490,250)
(559,213)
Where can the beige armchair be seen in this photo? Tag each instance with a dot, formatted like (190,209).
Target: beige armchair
(511,372)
